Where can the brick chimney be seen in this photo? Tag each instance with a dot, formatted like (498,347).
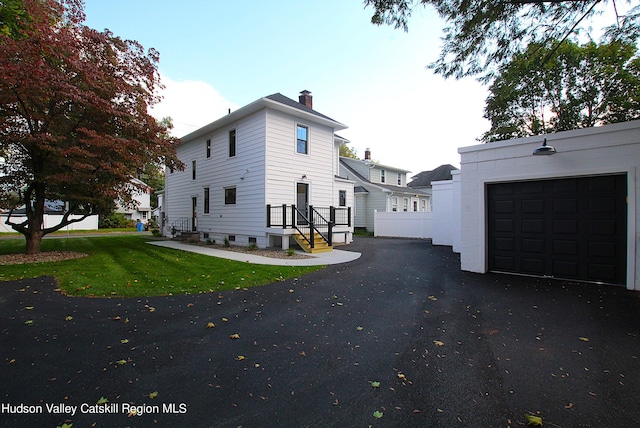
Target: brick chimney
(367,154)
(306,99)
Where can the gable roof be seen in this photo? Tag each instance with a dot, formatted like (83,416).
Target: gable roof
(275,101)
(381,186)
(373,164)
(424,179)
(278,97)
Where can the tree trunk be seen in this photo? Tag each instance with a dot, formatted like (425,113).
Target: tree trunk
(34,239)
(35,217)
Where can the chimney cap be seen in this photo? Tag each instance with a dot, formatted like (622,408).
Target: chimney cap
(305,92)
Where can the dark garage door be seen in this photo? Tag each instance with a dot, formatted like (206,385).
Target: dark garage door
(573,228)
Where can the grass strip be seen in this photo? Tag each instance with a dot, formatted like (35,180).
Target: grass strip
(126,266)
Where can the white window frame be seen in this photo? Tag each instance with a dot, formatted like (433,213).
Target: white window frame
(306,152)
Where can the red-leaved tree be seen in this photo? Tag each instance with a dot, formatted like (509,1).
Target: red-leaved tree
(74,121)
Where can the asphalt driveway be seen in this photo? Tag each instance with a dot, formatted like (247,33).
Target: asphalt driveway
(398,338)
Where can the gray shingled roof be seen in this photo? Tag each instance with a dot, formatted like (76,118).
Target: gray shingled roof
(278,97)
(424,179)
(381,185)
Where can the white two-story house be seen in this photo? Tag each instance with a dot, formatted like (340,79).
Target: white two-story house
(260,175)
(140,210)
(381,188)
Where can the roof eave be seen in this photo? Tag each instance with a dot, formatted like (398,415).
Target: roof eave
(255,106)
(275,105)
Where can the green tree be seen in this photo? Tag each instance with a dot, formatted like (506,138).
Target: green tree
(549,89)
(13,17)
(348,152)
(74,124)
(482,35)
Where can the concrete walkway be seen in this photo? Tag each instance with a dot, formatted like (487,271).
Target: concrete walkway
(329,258)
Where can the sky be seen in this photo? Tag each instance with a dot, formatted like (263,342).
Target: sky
(217,55)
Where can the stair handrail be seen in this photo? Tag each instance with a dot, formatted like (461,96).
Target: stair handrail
(294,219)
(182,224)
(314,214)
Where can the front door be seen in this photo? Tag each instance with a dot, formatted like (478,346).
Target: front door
(302,201)
(194,214)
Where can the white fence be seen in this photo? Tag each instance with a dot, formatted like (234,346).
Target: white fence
(50,220)
(403,224)
(442,225)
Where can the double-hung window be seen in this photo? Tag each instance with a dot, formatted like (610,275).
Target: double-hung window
(206,200)
(382,176)
(230,196)
(302,144)
(399,179)
(193,170)
(208,149)
(342,198)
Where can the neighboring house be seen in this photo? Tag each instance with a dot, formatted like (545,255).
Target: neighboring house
(381,188)
(158,213)
(142,209)
(254,175)
(424,179)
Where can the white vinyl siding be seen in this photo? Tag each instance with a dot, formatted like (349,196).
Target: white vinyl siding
(248,215)
(285,167)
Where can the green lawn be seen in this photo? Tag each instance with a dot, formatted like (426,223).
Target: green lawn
(127,266)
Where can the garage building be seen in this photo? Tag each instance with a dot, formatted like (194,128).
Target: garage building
(569,211)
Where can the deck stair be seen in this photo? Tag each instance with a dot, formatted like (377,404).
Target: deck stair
(319,244)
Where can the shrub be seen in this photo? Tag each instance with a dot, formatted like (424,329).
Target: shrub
(115,221)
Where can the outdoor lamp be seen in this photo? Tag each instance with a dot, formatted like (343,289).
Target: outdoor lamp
(544,149)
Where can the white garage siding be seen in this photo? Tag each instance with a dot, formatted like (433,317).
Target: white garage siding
(605,150)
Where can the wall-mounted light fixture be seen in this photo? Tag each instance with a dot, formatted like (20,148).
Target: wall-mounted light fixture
(244,173)
(304,176)
(544,149)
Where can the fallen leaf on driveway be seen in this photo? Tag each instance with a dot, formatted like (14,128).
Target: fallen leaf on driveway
(434,298)
(234,336)
(375,384)
(377,414)
(154,394)
(438,343)
(210,325)
(534,421)
(584,339)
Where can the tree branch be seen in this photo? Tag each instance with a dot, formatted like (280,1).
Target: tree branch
(550,54)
